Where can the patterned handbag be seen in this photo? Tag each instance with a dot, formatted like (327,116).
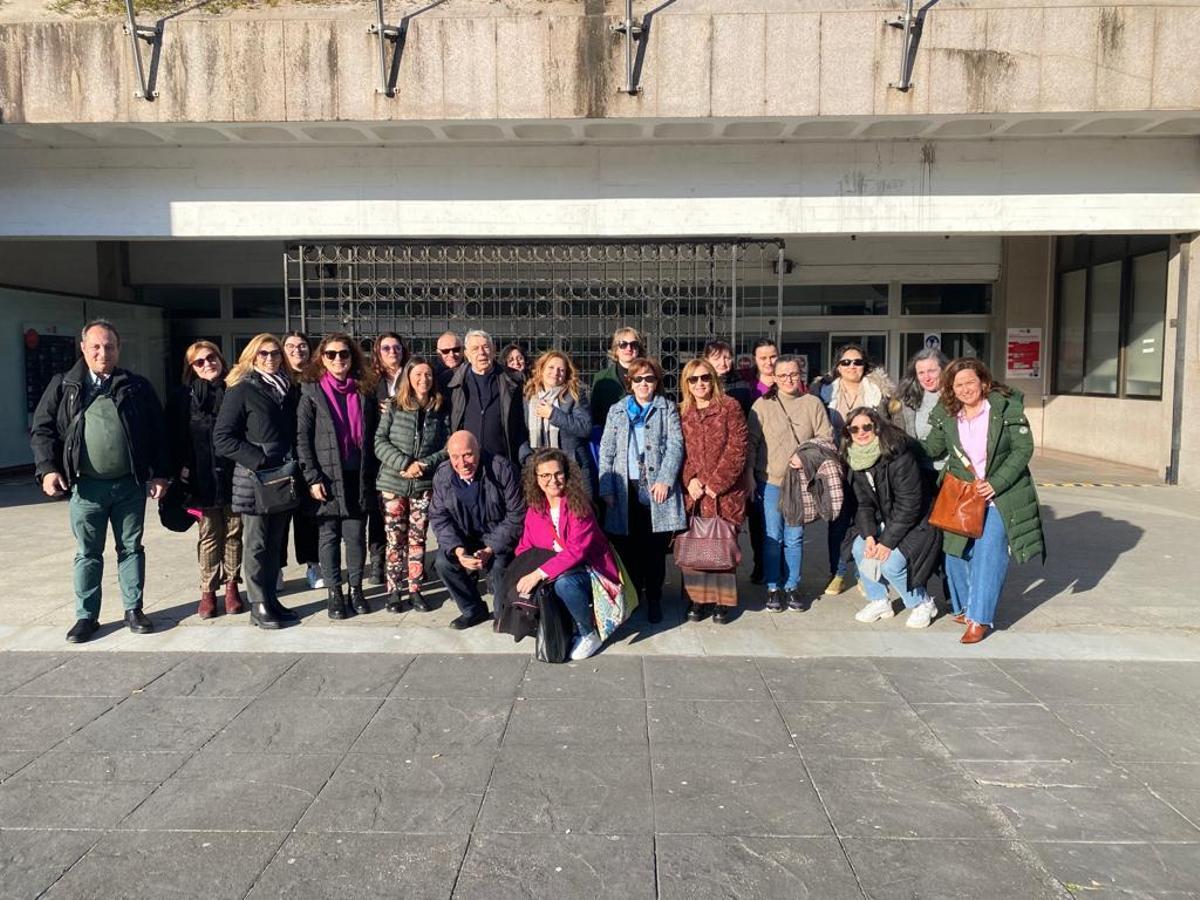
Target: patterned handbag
(709,545)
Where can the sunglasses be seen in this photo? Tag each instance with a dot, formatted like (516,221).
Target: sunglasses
(629,345)
(201,361)
(268,354)
(864,429)
(643,379)
(855,363)
(445,350)
(389,348)
(696,379)
(336,354)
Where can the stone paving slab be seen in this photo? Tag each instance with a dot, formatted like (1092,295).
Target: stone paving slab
(358,775)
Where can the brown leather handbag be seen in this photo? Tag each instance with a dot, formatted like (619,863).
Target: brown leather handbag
(958,507)
(709,545)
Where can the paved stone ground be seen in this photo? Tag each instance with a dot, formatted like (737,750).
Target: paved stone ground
(362,775)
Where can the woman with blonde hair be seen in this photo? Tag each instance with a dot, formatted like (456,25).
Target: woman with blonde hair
(715,443)
(556,415)
(410,444)
(335,441)
(191,414)
(256,429)
(609,384)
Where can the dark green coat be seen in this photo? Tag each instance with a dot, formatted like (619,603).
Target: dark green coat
(399,442)
(1009,449)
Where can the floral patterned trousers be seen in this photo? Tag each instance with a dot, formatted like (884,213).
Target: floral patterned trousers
(405,521)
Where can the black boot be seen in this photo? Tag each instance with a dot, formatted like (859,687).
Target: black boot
(282,613)
(358,601)
(417,601)
(263,616)
(654,610)
(395,603)
(375,573)
(335,603)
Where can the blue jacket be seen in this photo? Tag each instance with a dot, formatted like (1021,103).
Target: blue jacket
(504,508)
(664,461)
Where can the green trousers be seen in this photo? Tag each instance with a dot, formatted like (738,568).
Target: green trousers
(95,503)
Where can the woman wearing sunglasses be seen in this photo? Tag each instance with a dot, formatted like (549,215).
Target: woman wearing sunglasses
(296,354)
(641,456)
(256,429)
(714,443)
(610,383)
(191,415)
(894,544)
(853,382)
(335,440)
(388,358)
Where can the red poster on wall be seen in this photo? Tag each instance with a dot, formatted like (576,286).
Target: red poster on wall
(1023,358)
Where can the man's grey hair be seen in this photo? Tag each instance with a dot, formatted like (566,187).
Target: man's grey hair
(479,333)
(99,323)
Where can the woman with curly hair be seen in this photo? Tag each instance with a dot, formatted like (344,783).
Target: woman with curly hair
(335,440)
(559,517)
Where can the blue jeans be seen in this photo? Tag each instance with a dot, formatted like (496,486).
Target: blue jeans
(574,589)
(893,570)
(96,504)
(977,577)
(783,545)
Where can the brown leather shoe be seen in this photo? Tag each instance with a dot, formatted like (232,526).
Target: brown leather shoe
(975,633)
(233,600)
(961,618)
(208,605)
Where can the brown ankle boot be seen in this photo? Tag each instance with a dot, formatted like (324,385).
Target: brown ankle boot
(233,601)
(208,605)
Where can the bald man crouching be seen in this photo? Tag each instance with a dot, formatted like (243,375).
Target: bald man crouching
(477,513)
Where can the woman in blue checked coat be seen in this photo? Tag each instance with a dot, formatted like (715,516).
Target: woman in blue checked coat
(641,456)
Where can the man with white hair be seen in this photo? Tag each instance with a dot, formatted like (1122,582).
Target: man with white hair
(485,399)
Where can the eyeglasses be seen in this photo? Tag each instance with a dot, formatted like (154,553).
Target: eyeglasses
(694,379)
(646,379)
(295,348)
(445,350)
(629,345)
(855,363)
(336,354)
(552,476)
(390,348)
(787,376)
(864,429)
(201,361)
(268,354)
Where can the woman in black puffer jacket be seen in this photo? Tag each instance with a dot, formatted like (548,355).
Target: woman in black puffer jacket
(191,415)
(256,429)
(335,440)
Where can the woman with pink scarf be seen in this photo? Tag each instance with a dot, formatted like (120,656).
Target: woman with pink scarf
(335,441)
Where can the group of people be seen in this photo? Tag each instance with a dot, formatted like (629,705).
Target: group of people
(500,456)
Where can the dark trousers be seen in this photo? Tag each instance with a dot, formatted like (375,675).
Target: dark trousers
(376,533)
(262,537)
(307,543)
(96,504)
(840,540)
(643,551)
(758,529)
(332,532)
(463,586)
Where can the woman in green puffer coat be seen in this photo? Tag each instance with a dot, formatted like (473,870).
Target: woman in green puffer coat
(410,444)
(981,429)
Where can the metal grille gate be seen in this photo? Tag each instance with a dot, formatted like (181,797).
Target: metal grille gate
(565,295)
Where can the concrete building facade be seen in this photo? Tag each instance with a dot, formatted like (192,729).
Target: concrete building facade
(1031,197)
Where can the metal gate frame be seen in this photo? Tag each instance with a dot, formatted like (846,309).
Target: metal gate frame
(568,295)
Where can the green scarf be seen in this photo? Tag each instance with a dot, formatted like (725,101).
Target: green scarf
(863,456)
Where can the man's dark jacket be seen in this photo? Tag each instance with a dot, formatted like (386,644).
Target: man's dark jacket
(504,507)
(512,407)
(56,434)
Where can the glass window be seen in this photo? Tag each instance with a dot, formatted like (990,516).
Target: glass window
(257,302)
(1072,297)
(183,302)
(1144,348)
(946,299)
(835,300)
(1103,330)
(955,344)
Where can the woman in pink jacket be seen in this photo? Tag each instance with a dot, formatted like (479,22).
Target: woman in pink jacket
(560,518)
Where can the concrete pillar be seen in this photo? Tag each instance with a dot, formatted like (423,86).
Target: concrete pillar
(1184,278)
(1026,297)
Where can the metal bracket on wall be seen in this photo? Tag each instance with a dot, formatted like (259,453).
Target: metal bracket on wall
(394,34)
(152,35)
(633,32)
(912,22)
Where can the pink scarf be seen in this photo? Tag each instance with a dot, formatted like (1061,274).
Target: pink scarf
(350,429)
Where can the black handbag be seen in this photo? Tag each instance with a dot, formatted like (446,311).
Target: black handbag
(275,489)
(556,628)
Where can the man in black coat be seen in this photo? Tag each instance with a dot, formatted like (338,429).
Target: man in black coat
(99,433)
(485,399)
(477,512)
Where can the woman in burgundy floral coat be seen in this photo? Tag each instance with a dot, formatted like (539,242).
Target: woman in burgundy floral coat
(715,442)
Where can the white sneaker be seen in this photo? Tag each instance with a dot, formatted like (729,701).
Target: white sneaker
(922,614)
(279,581)
(586,646)
(315,581)
(875,610)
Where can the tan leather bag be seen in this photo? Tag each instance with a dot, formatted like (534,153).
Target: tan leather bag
(958,507)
